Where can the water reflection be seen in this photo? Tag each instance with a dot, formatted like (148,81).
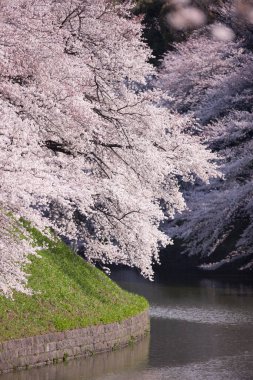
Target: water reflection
(200,329)
(134,357)
(180,343)
(225,368)
(201,315)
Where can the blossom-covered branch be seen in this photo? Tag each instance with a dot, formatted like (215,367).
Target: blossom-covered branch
(80,139)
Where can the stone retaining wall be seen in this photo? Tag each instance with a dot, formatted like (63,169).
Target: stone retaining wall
(60,346)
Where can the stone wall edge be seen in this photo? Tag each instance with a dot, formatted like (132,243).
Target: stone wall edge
(60,346)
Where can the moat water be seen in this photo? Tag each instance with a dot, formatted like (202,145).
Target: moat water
(200,329)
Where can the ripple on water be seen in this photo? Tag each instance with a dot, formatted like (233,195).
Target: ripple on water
(225,368)
(202,315)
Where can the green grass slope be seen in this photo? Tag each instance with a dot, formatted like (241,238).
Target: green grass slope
(70,293)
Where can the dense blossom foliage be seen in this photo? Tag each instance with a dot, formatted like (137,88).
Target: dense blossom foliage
(210,76)
(85,148)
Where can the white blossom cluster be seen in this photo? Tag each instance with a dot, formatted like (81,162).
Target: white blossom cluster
(84,146)
(15,248)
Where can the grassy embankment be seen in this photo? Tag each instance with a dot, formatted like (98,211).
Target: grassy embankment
(70,293)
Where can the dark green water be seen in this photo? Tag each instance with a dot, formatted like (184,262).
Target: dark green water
(200,329)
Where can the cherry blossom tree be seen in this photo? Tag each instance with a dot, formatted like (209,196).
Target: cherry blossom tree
(210,77)
(85,146)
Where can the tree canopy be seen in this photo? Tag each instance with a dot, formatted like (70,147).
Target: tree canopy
(210,77)
(86,147)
